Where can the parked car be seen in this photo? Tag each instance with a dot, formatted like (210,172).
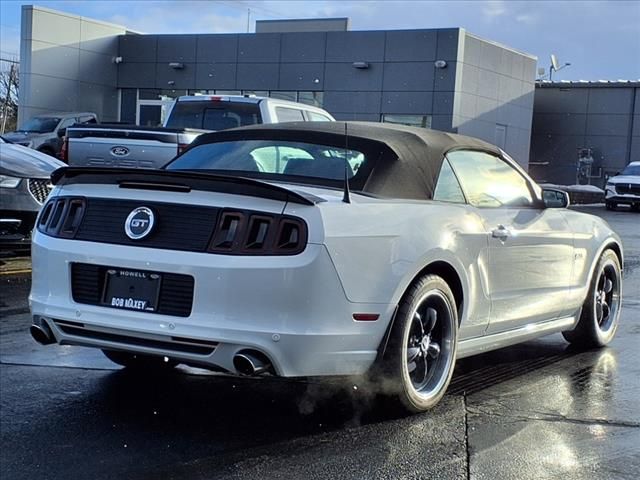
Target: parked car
(42,132)
(299,250)
(624,188)
(190,116)
(24,186)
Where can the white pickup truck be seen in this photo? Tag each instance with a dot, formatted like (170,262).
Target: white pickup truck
(116,145)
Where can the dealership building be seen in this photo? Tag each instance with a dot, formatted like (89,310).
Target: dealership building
(446,79)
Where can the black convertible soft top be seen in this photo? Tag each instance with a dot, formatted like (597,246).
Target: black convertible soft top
(406,160)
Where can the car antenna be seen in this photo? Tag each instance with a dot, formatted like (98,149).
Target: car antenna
(346,196)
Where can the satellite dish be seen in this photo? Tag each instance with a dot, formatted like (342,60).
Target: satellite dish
(554,62)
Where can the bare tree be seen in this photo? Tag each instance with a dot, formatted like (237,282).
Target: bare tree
(8,94)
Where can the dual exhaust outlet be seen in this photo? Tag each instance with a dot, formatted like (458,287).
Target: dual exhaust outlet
(246,362)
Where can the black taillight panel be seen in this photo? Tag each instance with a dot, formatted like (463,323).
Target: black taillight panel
(258,233)
(61,216)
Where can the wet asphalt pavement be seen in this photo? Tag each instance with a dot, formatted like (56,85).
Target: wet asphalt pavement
(538,410)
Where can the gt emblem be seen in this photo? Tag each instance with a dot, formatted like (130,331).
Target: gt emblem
(139,223)
(120,151)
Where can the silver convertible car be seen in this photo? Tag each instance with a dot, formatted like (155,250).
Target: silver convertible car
(321,249)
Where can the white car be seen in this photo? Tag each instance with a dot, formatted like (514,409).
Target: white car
(624,188)
(321,249)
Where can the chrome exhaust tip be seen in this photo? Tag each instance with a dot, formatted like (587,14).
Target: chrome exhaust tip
(251,363)
(42,334)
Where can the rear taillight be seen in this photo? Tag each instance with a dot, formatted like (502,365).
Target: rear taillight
(62,155)
(252,233)
(182,147)
(61,217)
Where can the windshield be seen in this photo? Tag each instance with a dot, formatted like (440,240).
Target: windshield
(213,115)
(272,159)
(41,125)
(631,170)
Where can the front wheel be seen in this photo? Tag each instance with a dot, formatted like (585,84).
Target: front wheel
(601,310)
(138,362)
(421,352)
(611,205)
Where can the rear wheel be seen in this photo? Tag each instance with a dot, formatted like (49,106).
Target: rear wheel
(421,352)
(611,205)
(635,207)
(601,310)
(134,361)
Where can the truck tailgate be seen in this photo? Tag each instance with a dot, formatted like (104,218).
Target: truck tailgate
(133,147)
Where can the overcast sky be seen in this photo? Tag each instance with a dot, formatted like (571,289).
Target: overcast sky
(601,39)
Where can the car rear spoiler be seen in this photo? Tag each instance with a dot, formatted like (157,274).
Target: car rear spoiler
(179,181)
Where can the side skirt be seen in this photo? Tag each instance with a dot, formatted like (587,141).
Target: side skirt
(486,343)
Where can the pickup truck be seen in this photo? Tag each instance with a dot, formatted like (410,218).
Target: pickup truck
(108,145)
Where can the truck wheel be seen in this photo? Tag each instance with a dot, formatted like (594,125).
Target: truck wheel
(137,362)
(601,310)
(421,352)
(611,205)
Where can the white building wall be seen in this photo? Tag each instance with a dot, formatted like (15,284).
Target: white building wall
(66,64)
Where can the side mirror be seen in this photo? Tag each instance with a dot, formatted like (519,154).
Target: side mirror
(554,198)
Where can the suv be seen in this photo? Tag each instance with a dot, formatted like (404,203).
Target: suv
(624,188)
(42,132)
(190,116)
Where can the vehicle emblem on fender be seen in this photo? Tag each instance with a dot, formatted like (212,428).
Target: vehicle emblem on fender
(139,223)
(120,151)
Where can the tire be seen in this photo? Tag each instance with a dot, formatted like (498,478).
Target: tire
(635,207)
(611,205)
(133,361)
(425,329)
(601,310)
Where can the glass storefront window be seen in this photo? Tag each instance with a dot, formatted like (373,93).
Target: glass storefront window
(283,95)
(157,94)
(311,98)
(257,93)
(423,121)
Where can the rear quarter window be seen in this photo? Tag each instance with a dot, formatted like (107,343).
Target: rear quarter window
(286,114)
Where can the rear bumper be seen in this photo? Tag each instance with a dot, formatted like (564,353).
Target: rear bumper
(293,309)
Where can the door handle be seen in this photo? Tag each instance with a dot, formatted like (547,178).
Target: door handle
(501,232)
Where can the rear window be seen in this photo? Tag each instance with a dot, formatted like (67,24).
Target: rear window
(275,160)
(213,115)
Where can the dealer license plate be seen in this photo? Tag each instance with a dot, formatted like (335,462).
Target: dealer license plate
(131,289)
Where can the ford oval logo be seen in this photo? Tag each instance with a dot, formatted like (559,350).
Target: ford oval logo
(120,151)
(139,223)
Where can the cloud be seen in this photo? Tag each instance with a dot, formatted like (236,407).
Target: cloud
(527,18)
(493,9)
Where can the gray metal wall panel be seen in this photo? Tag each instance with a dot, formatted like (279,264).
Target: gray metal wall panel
(257,76)
(177,48)
(138,48)
(442,122)
(448,44)
(418,103)
(303,47)
(128,99)
(612,124)
(211,76)
(54,60)
(568,100)
(636,124)
(168,77)
(352,102)
(443,103)
(355,46)
(137,75)
(301,76)
(49,26)
(98,38)
(98,98)
(408,76)
(259,48)
(97,68)
(410,46)
(608,151)
(217,48)
(610,100)
(445,78)
(560,123)
(635,149)
(488,83)
(343,76)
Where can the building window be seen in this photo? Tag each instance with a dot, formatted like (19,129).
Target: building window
(423,121)
(282,95)
(257,93)
(311,98)
(158,94)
